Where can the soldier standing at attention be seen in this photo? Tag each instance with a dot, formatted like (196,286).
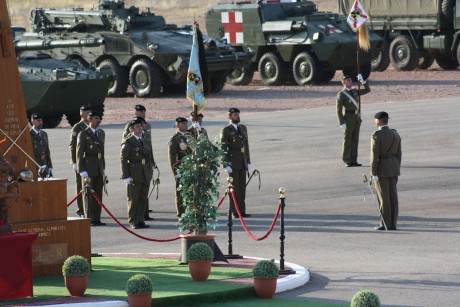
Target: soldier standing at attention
(177,149)
(385,164)
(235,143)
(136,172)
(349,117)
(40,144)
(91,164)
(196,128)
(76,129)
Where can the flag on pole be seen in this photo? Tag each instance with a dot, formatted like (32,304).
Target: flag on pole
(357,16)
(196,80)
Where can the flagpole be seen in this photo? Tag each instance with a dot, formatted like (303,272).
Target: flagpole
(357,69)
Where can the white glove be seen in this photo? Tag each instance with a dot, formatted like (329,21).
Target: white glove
(84,174)
(178,176)
(74,166)
(344,126)
(228,169)
(42,168)
(249,167)
(375,178)
(360,79)
(197,126)
(128,180)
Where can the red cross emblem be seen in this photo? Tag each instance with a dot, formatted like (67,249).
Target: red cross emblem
(232,22)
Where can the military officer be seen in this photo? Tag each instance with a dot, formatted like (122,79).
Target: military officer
(40,145)
(178,148)
(197,125)
(76,129)
(385,164)
(235,143)
(349,117)
(91,164)
(136,172)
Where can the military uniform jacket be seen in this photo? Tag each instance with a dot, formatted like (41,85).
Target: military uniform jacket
(90,152)
(147,138)
(385,153)
(135,160)
(193,132)
(41,148)
(346,104)
(76,129)
(236,146)
(178,148)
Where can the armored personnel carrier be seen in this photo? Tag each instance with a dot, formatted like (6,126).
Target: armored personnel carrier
(54,87)
(290,40)
(140,48)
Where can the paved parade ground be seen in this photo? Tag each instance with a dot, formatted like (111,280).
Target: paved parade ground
(329,225)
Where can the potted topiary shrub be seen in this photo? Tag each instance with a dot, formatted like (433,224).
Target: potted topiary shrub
(265,274)
(75,270)
(365,298)
(199,257)
(139,289)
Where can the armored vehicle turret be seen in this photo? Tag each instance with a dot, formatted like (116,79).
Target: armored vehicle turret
(290,40)
(54,87)
(140,48)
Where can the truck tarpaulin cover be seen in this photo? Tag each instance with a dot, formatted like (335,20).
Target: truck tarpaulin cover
(393,7)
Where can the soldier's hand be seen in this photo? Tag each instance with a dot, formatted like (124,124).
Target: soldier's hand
(74,166)
(178,176)
(128,180)
(197,126)
(249,167)
(343,126)
(228,169)
(360,79)
(84,174)
(375,178)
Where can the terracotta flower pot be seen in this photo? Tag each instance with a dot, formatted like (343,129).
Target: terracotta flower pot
(76,284)
(140,300)
(199,270)
(265,287)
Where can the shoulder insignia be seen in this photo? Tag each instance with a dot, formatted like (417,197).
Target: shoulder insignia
(123,146)
(170,143)
(78,141)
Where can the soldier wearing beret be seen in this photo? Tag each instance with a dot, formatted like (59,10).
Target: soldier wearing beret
(136,171)
(178,148)
(76,129)
(91,164)
(197,125)
(40,145)
(385,165)
(235,143)
(349,117)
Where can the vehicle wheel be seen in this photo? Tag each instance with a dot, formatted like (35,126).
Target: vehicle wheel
(51,121)
(79,60)
(272,69)
(446,62)
(365,71)
(381,62)
(327,75)
(145,78)
(447,9)
(306,69)
(425,60)
(241,76)
(218,82)
(72,118)
(403,53)
(458,52)
(119,83)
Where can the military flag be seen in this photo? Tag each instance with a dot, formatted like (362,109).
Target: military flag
(355,20)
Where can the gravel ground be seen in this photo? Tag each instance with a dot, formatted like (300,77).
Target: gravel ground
(387,86)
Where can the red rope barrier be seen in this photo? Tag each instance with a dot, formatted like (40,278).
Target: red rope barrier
(222,199)
(75,198)
(244,224)
(128,230)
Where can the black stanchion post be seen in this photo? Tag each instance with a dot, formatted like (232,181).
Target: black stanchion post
(230,254)
(88,197)
(283,270)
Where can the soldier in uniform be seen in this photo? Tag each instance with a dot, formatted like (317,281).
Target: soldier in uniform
(40,145)
(177,149)
(197,126)
(349,117)
(136,172)
(235,143)
(91,164)
(385,164)
(76,129)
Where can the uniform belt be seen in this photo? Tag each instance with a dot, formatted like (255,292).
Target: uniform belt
(98,155)
(351,112)
(387,156)
(139,161)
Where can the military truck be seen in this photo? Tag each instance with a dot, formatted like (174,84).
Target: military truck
(54,87)
(415,32)
(140,48)
(289,41)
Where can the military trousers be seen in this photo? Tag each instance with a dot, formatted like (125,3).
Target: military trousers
(91,206)
(387,194)
(239,184)
(179,206)
(137,202)
(78,188)
(351,138)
